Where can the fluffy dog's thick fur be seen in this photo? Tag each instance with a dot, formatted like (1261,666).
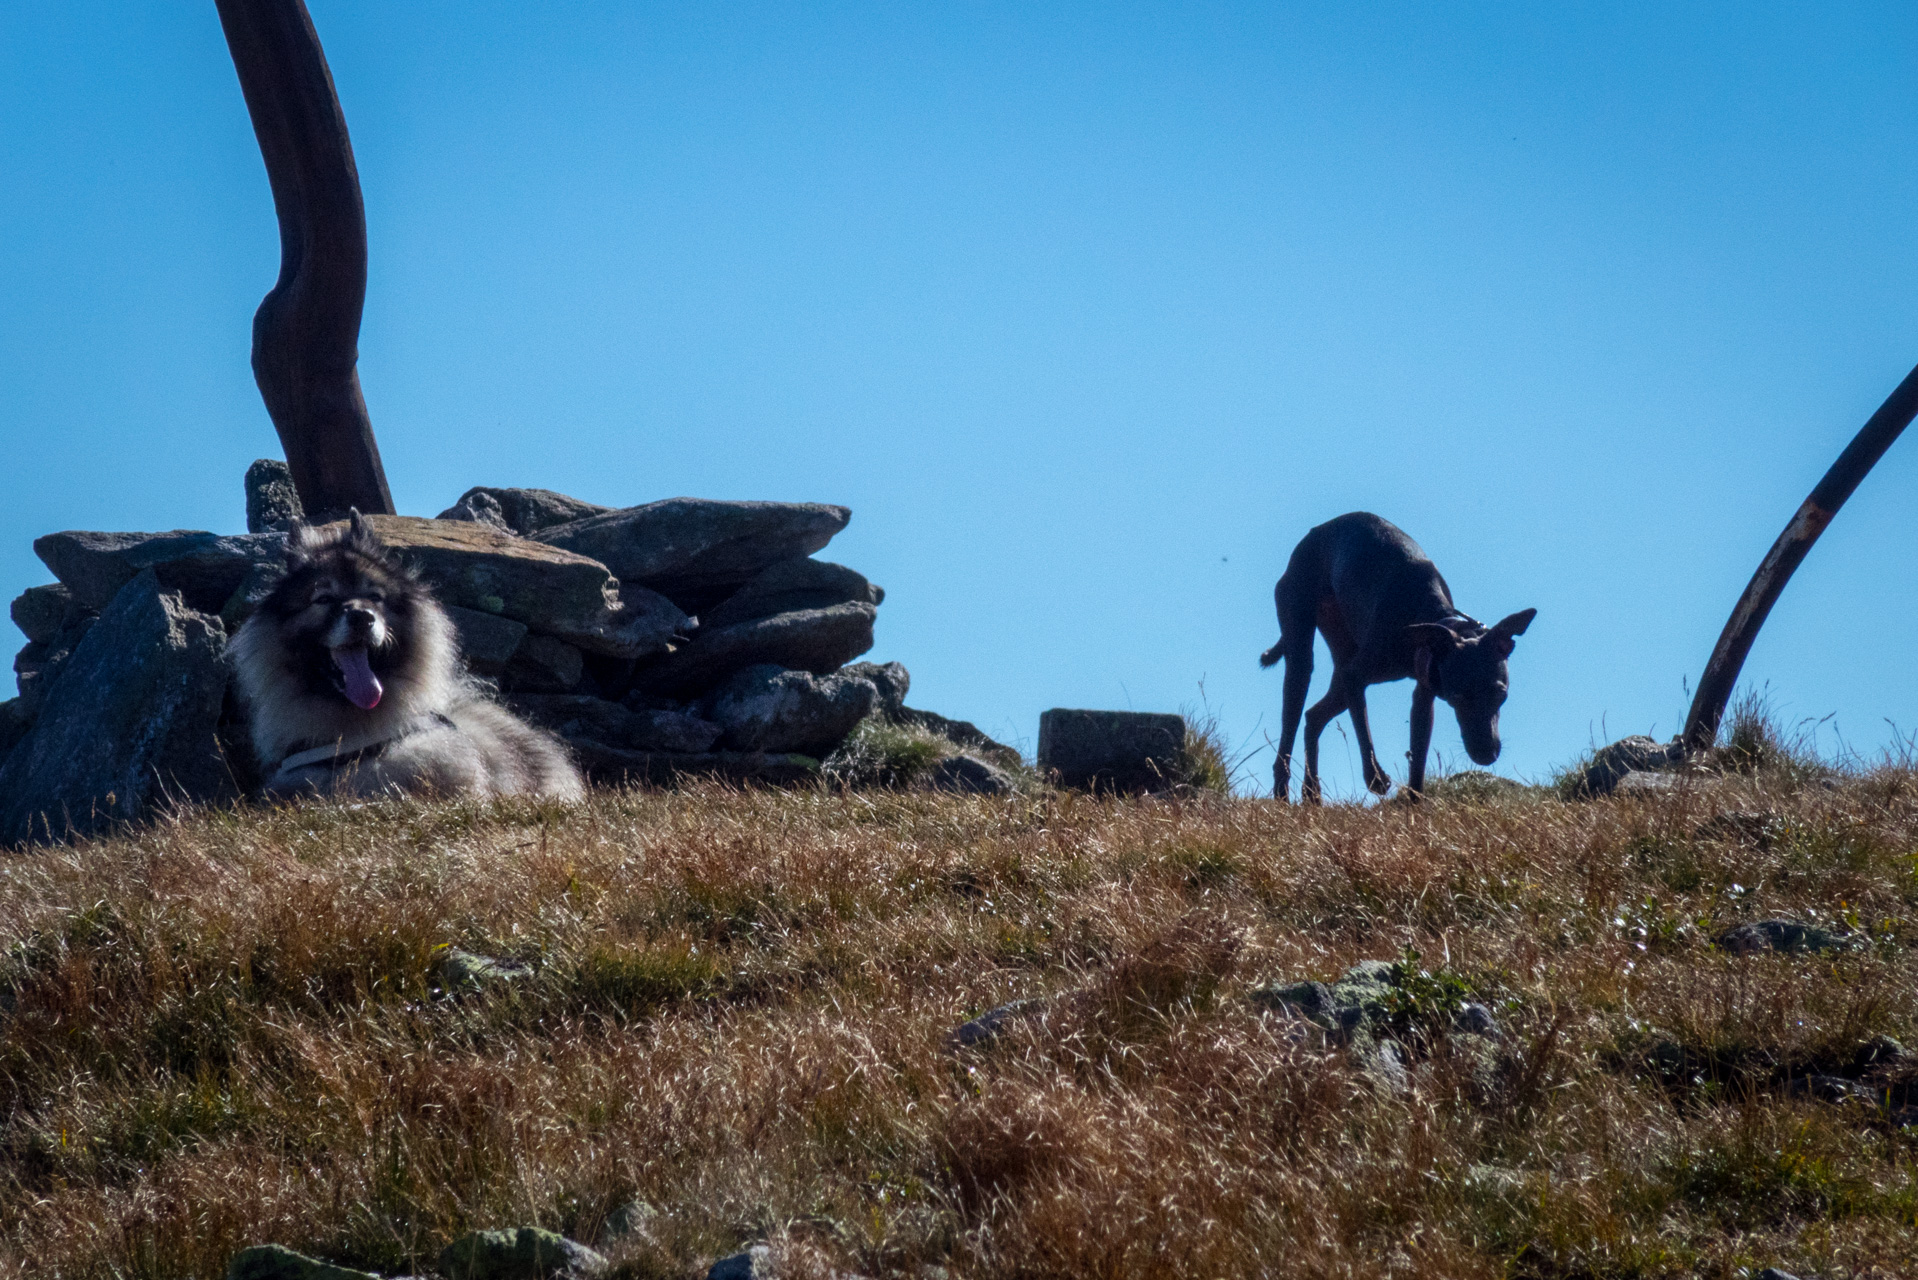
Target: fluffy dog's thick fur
(353,683)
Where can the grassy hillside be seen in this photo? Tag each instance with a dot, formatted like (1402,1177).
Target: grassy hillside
(733,1008)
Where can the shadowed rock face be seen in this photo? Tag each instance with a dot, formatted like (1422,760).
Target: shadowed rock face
(792,585)
(766,708)
(694,545)
(131,721)
(816,640)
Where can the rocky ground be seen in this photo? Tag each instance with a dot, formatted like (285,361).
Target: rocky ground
(679,638)
(818,1032)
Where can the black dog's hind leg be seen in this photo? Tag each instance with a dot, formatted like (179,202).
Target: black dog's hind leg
(1316,719)
(1376,779)
(1296,623)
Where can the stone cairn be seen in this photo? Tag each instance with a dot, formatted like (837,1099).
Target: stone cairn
(683,637)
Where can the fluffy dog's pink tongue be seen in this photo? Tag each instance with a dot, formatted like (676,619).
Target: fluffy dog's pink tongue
(363,688)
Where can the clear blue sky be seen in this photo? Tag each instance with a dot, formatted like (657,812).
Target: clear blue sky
(1088,312)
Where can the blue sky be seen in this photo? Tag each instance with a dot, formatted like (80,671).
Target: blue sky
(1088,312)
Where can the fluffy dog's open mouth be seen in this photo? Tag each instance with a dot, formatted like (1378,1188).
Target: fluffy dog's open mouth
(355,677)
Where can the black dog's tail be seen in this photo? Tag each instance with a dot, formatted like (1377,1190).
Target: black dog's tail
(1271,656)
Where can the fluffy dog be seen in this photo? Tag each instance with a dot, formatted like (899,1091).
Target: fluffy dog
(352,678)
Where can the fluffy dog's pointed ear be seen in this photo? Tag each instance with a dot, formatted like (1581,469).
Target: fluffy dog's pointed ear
(1508,627)
(302,542)
(360,535)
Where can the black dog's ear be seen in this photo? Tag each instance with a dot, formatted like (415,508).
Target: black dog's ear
(1515,624)
(1436,636)
(1425,669)
(1511,626)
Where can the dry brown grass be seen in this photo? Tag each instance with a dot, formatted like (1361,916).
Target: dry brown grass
(230,1029)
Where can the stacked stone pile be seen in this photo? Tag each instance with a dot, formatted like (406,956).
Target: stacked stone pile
(679,637)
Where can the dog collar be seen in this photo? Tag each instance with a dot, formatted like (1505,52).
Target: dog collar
(338,754)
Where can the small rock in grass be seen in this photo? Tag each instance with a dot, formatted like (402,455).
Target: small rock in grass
(634,1219)
(1636,754)
(1831,1089)
(1773,1273)
(523,1253)
(277,1262)
(1640,782)
(463,971)
(987,1027)
(1476,1020)
(1790,936)
(1384,1064)
(754,1264)
(1879,1051)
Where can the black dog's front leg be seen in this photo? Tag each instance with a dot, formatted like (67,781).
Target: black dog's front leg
(1421,738)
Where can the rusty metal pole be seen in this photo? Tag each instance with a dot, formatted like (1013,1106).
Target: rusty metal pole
(306,333)
(1859,457)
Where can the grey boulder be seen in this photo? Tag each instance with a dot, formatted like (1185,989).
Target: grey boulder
(582,716)
(131,724)
(277,1262)
(892,680)
(42,613)
(487,641)
(816,640)
(272,503)
(39,663)
(520,511)
(790,585)
(683,543)
(542,664)
(1124,751)
(769,708)
(204,568)
(523,1253)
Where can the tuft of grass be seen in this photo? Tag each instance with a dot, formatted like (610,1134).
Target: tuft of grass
(732,1007)
(879,753)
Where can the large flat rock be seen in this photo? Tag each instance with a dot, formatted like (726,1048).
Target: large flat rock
(699,543)
(551,590)
(815,640)
(205,568)
(131,723)
(792,585)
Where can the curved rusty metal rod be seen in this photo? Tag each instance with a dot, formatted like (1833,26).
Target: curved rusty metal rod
(1859,457)
(306,333)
